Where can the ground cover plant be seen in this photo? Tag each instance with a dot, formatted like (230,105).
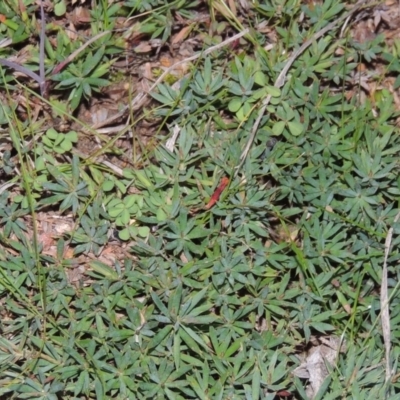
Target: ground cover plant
(199,200)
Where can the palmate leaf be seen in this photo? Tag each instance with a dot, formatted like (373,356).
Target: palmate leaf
(67,194)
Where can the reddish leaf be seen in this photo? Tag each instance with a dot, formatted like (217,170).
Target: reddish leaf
(59,67)
(217,193)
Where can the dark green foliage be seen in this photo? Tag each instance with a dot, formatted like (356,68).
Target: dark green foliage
(212,301)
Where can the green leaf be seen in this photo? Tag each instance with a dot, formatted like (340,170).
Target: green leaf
(72,136)
(234,105)
(108,185)
(161,335)
(260,78)
(104,270)
(143,231)
(124,234)
(143,179)
(273,91)
(256,384)
(60,8)
(66,145)
(278,128)
(52,134)
(160,304)
(295,128)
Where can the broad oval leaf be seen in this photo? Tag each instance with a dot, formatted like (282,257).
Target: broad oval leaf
(295,128)
(278,128)
(234,105)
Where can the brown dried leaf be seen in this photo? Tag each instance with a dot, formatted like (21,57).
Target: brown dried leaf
(143,47)
(147,73)
(232,6)
(223,10)
(72,33)
(181,35)
(81,15)
(246,5)
(75,274)
(347,308)
(183,258)
(364,32)
(314,365)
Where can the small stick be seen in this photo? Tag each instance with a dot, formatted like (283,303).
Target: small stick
(385,315)
(42,83)
(20,68)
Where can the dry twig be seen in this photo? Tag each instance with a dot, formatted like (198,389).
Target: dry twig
(385,316)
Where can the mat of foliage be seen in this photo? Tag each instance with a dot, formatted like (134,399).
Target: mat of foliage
(214,302)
